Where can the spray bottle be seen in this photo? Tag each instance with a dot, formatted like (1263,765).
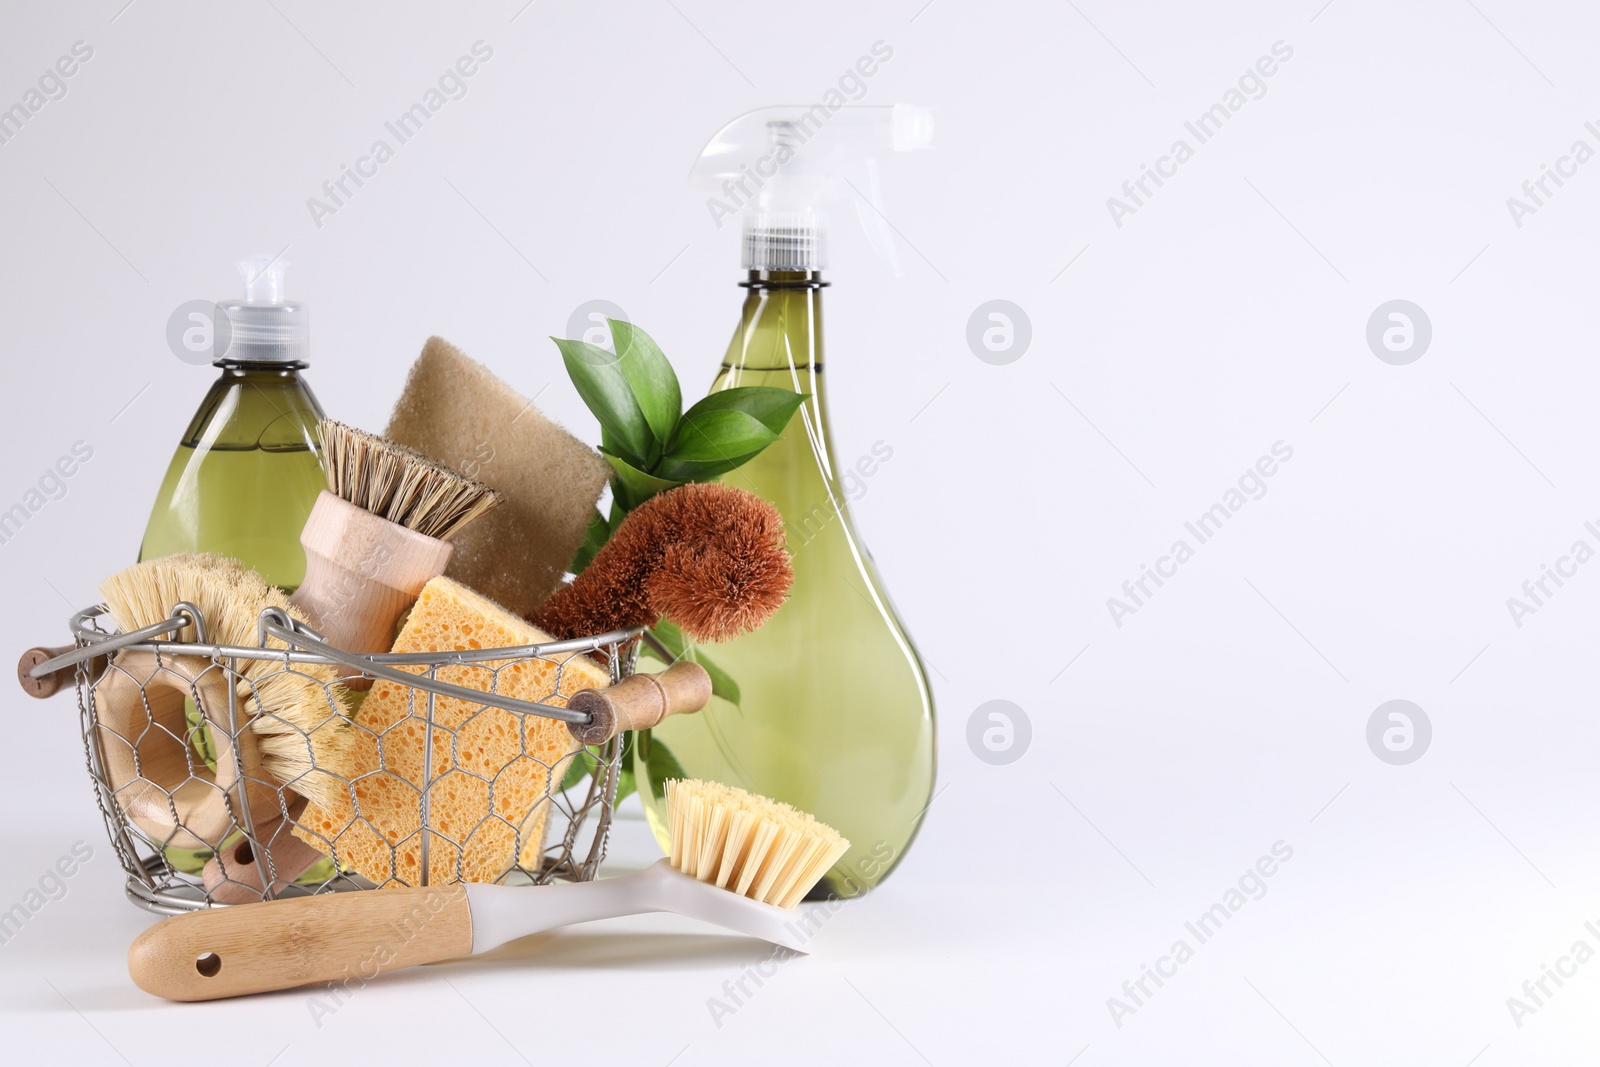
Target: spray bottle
(835,713)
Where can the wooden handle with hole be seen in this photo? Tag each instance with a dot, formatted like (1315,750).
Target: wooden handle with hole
(234,874)
(348,938)
(640,702)
(51,684)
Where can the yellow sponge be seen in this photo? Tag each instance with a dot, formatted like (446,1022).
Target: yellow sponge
(458,413)
(490,768)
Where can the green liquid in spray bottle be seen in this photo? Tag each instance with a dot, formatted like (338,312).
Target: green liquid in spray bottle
(835,715)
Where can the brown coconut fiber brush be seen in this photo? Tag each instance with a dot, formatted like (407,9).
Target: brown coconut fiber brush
(709,557)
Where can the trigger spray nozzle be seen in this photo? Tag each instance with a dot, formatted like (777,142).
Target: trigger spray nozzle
(780,169)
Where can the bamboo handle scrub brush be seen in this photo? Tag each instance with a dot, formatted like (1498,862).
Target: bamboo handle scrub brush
(738,861)
(709,557)
(237,875)
(377,534)
(164,785)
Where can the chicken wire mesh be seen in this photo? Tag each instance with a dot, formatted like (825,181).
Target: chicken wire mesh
(213,792)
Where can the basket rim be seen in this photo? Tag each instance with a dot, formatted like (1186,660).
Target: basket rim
(101,641)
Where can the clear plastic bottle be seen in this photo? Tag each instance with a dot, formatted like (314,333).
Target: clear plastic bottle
(835,715)
(249,466)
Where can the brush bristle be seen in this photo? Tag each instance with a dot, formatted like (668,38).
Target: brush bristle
(748,844)
(296,711)
(301,725)
(401,484)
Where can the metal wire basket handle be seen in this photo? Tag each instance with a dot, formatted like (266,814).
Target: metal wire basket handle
(275,622)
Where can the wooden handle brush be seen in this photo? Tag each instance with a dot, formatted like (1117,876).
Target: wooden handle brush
(376,536)
(709,557)
(285,715)
(738,860)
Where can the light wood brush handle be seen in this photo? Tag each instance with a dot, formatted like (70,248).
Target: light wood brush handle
(280,944)
(640,701)
(362,572)
(149,764)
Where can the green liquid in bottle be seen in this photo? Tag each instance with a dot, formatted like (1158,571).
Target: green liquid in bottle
(836,716)
(241,484)
(245,475)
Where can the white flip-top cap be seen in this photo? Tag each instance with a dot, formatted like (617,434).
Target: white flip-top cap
(263,327)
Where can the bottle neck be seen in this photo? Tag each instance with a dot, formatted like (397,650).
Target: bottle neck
(784,279)
(274,369)
(780,329)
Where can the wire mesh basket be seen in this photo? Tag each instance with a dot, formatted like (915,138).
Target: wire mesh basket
(197,821)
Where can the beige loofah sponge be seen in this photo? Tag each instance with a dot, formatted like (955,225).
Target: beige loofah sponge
(471,837)
(458,413)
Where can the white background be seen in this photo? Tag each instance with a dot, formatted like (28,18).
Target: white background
(1227,314)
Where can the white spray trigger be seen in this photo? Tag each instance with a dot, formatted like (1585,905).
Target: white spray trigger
(869,209)
(780,168)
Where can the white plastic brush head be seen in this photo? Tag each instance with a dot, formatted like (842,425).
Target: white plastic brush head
(748,844)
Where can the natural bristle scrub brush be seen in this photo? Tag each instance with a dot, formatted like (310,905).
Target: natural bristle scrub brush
(163,786)
(708,557)
(738,860)
(377,535)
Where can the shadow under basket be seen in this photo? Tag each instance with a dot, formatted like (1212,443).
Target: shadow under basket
(468,768)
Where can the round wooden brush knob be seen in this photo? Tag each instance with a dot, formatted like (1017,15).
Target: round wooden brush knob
(639,702)
(50,684)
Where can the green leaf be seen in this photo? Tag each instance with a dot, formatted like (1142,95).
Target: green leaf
(680,647)
(650,377)
(600,381)
(594,539)
(726,430)
(722,683)
(633,486)
(772,407)
(661,766)
(627,785)
(581,767)
(713,440)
